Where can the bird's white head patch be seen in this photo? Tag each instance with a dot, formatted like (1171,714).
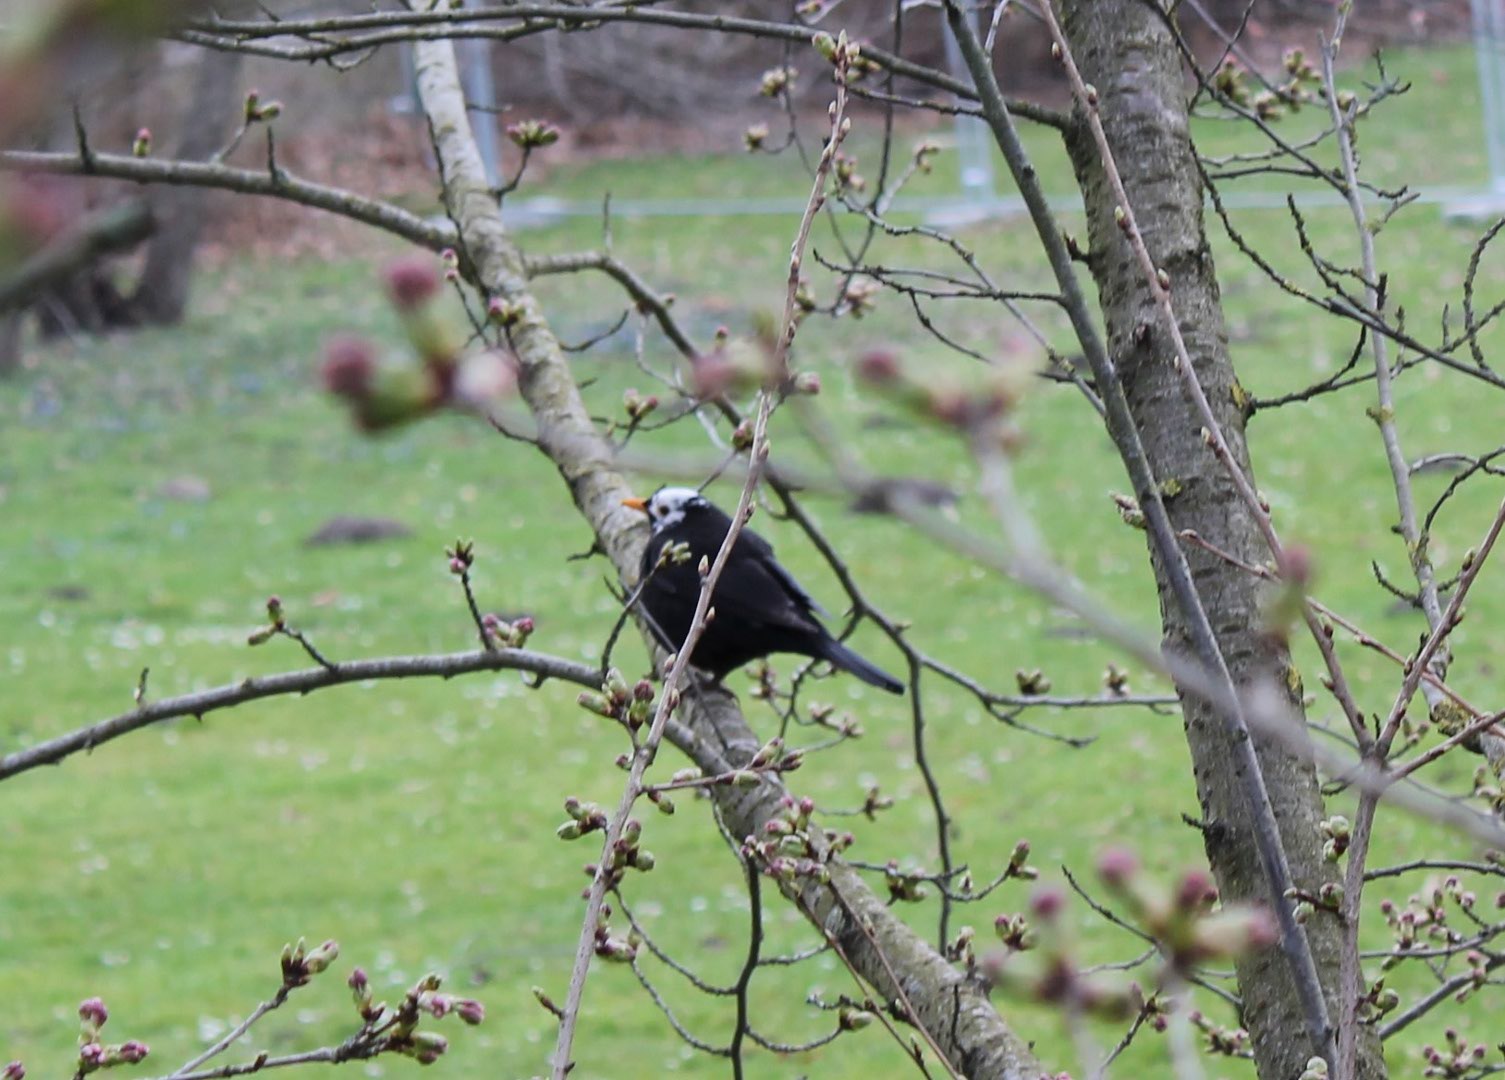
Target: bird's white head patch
(669,504)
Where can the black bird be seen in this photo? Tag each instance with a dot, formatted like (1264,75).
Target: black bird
(760,608)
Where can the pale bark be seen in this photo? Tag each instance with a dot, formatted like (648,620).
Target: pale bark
(714,733)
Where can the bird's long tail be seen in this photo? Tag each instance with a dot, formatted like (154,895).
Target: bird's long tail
(848,661)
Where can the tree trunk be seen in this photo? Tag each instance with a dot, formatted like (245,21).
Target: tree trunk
(161,294)
(10,343)
(1125,50)
(712,730)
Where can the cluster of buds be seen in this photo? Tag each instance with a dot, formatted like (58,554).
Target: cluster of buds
(504,313)
(506,634)
(1128,509)
(732,366)
(258,111)
(1019,867)
(638,405)
(1015,932)
(300,963)
(533,134)
(674,554)
(1487,786)
(436,373)
(402,1034)
(1337,834)
(1184,919)
(981,407)
(628,703)
(1032,683)
(424,997)
(585,817)
(626,854)
(1226,1041)
(904,886)
(847,176)
(1231,82)
(960,949)
(614,949)
(1425,918)
(823,714)
(461,557)
(1053,976)
(276,623)
(874,802)
(792,847)
(774,756)
(1458,1059)
(845,56)
(1375,1004)
(775,82)
(860,296)
(92,1053)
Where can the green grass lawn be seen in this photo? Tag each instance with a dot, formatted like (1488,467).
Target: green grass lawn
(414,823)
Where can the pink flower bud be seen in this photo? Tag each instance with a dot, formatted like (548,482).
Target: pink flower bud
(470,1011)
(90,1055)
(1047,902)
(358,980)
(132,1052)
(14,1071)
(1117,865)
(1195,889)
(524,625)
(713,376)
(1297,565)
(878,366)
(93,1010)
(349,366)
(411,281)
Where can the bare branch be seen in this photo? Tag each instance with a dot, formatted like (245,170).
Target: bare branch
(203,702)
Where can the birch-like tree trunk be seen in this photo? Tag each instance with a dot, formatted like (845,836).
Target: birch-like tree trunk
(713,733)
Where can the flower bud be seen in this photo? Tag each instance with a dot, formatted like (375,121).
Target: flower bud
(470,1011)
(410,281)
(849,1019)
(142,146)
(133,1052)
(92,1011)
(1116,866)
(13,1071)
(428,1046)
(320,958)
(1047,902)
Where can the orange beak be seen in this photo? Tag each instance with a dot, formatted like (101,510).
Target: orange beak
(635,503)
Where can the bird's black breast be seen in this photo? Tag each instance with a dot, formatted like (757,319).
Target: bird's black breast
(759,606)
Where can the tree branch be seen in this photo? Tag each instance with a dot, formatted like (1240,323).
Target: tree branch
(203,702)
(280,184)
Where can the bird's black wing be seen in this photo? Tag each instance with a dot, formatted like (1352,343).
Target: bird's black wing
(764,551)
(753,590)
